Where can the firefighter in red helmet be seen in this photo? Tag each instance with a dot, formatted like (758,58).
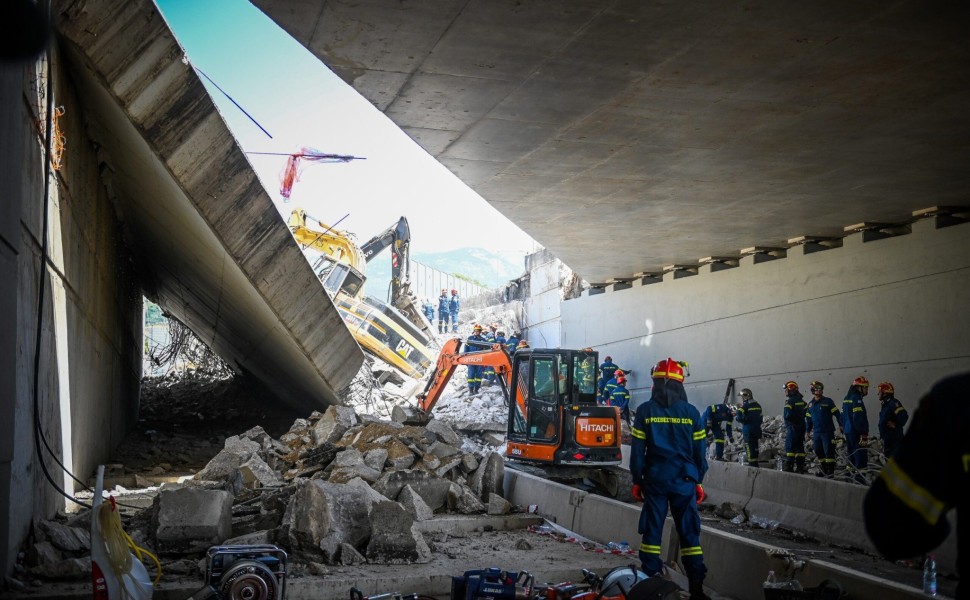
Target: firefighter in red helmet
(667,464)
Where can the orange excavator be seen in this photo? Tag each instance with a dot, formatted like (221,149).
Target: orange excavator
(555,426)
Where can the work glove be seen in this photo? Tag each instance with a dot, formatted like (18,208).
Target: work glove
(700,494)
(864,441)
(637,492)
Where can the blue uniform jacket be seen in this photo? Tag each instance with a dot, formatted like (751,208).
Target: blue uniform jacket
(512,344)
(820,413)
(442,306)
(669,441)
(750,418)
(620,398)
(794,413)
(717,414)
(608,388)
(607,372)
(453,305)
(855,419)
(906,508)
(892,410)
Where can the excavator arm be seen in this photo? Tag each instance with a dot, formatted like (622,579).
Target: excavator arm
(450,358)
(336,244)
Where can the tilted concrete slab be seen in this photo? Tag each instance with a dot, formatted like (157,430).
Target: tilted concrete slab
(211,246)
(629,135)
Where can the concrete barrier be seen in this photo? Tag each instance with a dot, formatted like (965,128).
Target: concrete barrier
(736,565)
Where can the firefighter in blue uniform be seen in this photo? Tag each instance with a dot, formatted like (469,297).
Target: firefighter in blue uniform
(905,509)
(607,371)
(794,416)
(454,304)
(717,418)
(443,312)
(750,417)
(818,424)
(892,418)
(667,464)
(855,424)
(428,309)
(620,398)
(475,371)
(610,385)
(513,343)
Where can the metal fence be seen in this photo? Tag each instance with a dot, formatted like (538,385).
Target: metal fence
(427,282)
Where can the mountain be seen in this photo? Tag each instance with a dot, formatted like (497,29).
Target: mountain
(489,268)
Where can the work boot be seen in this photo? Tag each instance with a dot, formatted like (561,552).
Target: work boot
(800,465)
(789,466)
(696,589)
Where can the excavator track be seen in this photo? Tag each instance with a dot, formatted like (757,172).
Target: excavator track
(610,481)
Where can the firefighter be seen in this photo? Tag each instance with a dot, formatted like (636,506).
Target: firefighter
(454,304)
(905,509)
(667,464)
(513,344)
(497,338)
(717,418)
(750,417)
(608,387)
(818,425)
(855,424)
(794,416)
(620,398)
(522,344)
(474,371)
(607,372)
(443,311)
(428,309)
(892,418)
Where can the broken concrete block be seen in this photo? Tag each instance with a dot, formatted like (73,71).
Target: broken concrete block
(464,500)
(299,425)
(447,465)
(430,462)
(71,569)
(223,466)
(322,515)
(256,434)
(469,463)
(394,540)
(489,477)
(371,495)
(71,539)
(443,432)
(244,447)
(42,554)
(358,471)
(188,519)
(350,457)
(498,505)
(415,504)
(432,489)
(399,456)
(349,556)
(493,439)
(256,473)
(333,424)
(376,458)
(443,450)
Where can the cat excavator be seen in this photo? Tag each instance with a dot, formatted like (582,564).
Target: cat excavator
(555,428)
(397,333)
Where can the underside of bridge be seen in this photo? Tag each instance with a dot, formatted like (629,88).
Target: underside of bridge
(630,136)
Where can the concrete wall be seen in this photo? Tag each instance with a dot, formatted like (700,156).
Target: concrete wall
(91,329)
(892,309)
(542,327)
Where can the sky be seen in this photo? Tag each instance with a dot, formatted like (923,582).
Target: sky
(301,103)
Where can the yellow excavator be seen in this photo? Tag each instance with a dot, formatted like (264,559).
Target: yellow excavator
(397,333)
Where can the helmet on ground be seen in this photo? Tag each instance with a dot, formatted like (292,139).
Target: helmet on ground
(523,344)
(668,368)
(816,387)
(746,394)
(790,386)
(886,388)
(609,358)
(861,381)
(454,292)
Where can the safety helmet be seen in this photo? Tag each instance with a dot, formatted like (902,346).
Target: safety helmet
(621,380)
(861,381)
(587,349)
(746,394)
(668,368)
(454,292)
(501,333)
(523,344)
(477,327)
(619,373)
(886,388)
(816,387)
(790,386)
(609,358)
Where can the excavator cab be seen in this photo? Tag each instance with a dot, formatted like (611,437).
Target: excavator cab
(553,414)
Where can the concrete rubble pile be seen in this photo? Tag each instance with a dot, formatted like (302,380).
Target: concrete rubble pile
(772,449)
(337,489)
